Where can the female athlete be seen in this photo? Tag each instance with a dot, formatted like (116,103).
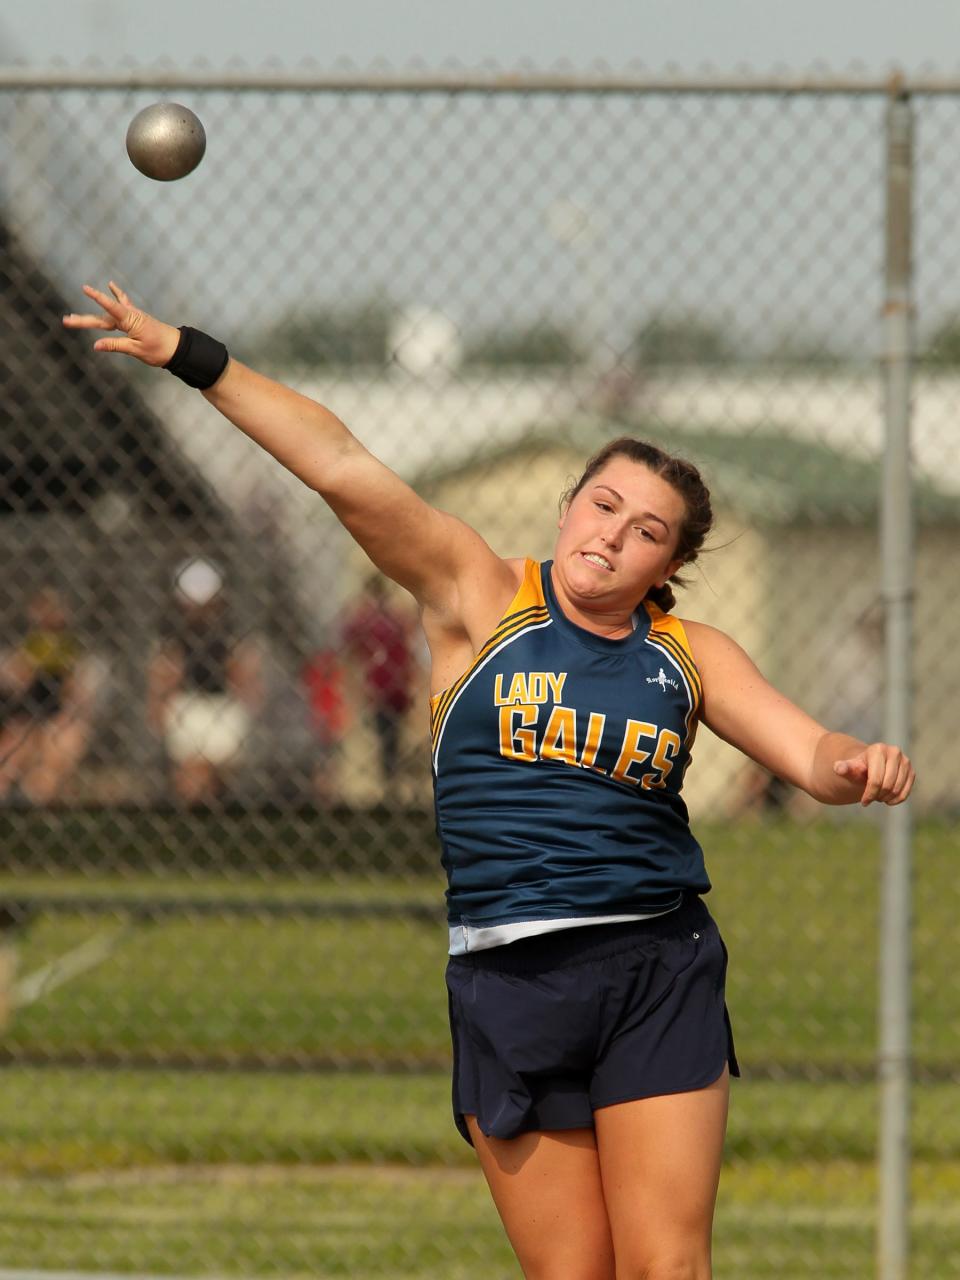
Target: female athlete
(592,1048)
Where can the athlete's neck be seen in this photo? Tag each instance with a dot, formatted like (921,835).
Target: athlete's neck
(613,622)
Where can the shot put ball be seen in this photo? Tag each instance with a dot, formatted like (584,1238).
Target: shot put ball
(166,141)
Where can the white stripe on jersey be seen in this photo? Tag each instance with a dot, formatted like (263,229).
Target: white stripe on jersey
(466,937)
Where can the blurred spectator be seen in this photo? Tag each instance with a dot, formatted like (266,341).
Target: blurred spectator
(324,685)
(764,794)
(377,635)
(48,689)
(204,686)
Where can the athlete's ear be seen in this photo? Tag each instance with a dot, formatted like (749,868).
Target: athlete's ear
(670,570)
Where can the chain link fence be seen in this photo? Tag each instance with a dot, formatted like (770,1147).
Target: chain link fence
(224,1038)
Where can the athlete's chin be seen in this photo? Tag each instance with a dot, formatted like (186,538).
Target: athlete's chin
(586,586)
(591,583)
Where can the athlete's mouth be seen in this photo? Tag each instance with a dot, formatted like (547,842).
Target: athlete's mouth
(594,557)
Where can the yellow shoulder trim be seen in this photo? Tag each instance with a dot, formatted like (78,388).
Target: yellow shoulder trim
(528,605)
(530,591)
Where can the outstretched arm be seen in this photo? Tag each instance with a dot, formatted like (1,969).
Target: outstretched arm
(430,553)
(744,709)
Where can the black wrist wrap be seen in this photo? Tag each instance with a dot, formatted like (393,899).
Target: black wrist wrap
(199,359)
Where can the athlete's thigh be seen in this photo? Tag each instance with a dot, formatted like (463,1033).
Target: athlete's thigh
(660,1164)
(549,1194)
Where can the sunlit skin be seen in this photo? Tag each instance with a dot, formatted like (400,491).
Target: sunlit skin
(629,517)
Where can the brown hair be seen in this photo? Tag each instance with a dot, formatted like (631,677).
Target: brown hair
(682,476)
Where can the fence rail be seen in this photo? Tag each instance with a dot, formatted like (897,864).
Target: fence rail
(895,83)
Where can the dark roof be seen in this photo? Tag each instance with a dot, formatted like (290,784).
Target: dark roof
(767,475)
(74,426)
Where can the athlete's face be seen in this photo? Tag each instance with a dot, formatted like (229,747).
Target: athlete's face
(618,537)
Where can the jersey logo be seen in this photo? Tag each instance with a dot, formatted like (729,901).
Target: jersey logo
(662,680)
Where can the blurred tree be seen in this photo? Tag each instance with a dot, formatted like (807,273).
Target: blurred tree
(530,346)
(681,340)
(797,349)
(942,349)
(329,336)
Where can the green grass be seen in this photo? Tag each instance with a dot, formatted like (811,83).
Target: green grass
(307,1173)
(333,1175)
(354,990)
(418,1225)
(64,1122)
(798,907)
(397,1224)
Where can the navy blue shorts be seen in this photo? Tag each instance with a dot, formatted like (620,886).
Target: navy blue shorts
(548,1029)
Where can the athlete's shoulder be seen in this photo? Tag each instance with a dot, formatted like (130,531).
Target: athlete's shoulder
(716,654)
(528,583)
(704,638)
(518,589)
(695,631)
(521,567)
(668,624)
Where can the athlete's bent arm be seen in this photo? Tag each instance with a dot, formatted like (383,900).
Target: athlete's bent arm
(432,554)
(744,709)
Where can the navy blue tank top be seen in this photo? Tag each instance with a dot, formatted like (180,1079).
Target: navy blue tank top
(558,760)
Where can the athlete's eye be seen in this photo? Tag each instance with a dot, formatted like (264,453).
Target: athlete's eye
(602,506)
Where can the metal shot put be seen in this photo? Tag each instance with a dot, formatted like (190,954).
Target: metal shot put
(166,141)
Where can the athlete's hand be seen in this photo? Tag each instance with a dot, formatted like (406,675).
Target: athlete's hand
(146,339)
(883,771)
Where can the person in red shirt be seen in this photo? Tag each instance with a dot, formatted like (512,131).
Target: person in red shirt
(323,681)
(377,635)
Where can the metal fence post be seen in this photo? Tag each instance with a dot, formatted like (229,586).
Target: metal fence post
(896,546)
